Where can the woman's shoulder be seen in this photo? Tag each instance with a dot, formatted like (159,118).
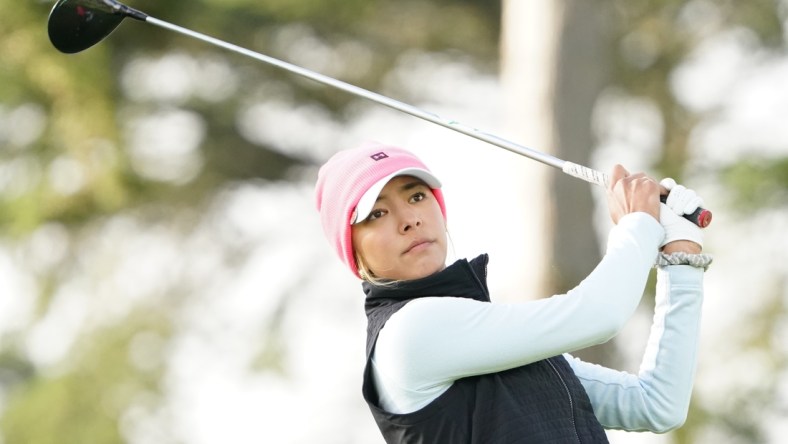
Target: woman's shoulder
(426,314)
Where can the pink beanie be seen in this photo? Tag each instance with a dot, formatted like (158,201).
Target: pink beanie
(349,183)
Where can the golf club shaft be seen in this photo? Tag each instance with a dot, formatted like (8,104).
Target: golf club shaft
(700,217)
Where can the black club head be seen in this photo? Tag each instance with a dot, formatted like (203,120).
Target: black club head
(76,25)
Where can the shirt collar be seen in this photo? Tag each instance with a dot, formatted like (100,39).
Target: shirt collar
(461,279)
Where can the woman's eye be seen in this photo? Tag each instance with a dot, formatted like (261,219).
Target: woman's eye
(375,214)
(418,197)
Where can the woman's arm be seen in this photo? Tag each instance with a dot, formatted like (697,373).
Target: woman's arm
(657,398)
(432,341)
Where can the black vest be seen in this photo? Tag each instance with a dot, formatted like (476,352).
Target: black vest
(542,402)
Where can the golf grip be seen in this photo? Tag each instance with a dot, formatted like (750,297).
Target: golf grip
(700,217)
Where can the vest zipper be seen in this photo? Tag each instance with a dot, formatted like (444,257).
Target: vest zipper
(569,395)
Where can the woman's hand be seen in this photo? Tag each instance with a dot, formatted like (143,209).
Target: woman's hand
(630,193)
(681,235)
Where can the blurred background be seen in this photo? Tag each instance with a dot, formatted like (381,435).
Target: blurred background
(163,273)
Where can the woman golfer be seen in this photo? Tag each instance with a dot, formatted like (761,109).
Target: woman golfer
(446,366)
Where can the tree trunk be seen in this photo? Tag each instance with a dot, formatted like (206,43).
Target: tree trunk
(528,63)
(553,68)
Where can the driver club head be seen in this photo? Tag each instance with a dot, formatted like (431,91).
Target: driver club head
(76,25)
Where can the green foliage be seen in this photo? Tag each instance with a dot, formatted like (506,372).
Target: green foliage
(736,417)
(653,37)
(81,96)
(68,406)
(79,106)
(83,399)
(83,105)
(77,169)
(757,182)
(651,40)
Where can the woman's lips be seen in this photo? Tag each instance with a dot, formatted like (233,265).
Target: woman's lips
(417,245)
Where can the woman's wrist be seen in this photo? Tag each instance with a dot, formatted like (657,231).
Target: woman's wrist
(682,246)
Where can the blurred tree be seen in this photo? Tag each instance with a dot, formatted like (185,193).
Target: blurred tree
(653,41)
(579,57)
(86,400)
(149,127)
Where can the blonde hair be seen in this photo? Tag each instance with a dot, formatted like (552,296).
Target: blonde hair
(368,276)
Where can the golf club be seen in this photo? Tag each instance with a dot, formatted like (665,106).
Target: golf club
(75,25)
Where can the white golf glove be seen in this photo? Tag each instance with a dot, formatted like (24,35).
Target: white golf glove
(681,200)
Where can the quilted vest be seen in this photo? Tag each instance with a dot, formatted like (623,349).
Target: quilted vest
(542,402)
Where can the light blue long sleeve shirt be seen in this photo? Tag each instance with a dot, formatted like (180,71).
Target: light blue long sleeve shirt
(433,341)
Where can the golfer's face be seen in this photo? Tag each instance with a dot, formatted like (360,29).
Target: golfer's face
(404,236)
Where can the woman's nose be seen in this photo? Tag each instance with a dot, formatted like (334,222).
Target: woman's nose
(410,220)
